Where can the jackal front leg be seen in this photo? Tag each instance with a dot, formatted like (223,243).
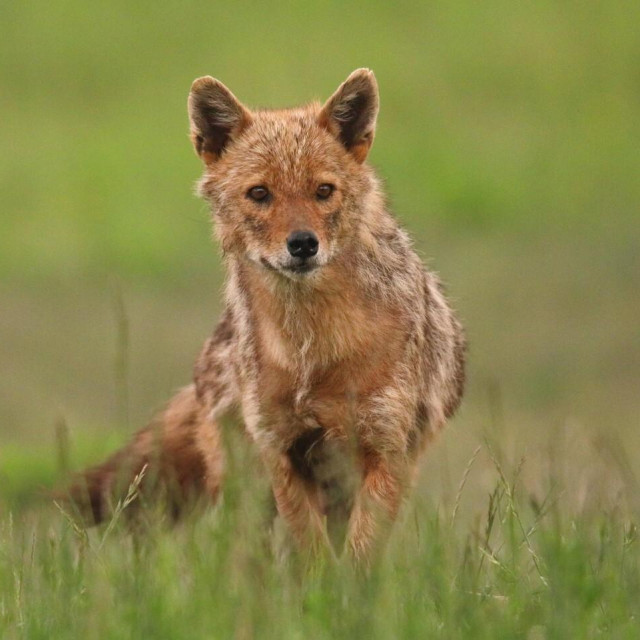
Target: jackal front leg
(376,505)
(297,504)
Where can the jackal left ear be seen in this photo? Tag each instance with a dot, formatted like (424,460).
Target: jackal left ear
(216,117)
(351,112)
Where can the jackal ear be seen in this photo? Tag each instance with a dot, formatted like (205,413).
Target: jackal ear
(351,112)
(216,117)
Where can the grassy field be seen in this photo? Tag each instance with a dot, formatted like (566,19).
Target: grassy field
(508,140)
(526,565)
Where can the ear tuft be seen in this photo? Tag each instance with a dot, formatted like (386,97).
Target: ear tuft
(216,117)
(351,112)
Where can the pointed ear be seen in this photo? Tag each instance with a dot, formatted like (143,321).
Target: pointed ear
(216,117)
(351,112)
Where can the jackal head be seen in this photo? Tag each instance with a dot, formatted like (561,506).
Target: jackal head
(288,188)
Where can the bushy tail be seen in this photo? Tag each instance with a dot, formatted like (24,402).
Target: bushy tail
(181,454)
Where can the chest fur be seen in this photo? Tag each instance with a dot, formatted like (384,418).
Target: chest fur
(318,362)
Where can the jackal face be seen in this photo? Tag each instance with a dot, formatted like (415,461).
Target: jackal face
(288,188)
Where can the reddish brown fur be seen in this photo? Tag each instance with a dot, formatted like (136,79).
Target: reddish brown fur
(174,450)
(343,366)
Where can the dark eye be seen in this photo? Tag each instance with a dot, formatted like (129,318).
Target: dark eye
(259,193)
(324,191)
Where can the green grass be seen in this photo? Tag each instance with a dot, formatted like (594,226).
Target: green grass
(521,563)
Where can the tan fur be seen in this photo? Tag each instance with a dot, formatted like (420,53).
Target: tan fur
(342,374)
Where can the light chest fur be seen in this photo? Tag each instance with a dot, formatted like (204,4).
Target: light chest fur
(320,350)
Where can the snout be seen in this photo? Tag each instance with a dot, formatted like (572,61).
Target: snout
(302,256)
(302,244)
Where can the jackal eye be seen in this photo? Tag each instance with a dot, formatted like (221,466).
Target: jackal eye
(324,191)
(259,193)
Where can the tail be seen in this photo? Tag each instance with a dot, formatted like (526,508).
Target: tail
(181,454)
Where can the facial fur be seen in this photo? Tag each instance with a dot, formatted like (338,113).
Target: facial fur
(306,160)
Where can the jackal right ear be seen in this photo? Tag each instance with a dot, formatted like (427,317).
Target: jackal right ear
(351,112)
(216,117)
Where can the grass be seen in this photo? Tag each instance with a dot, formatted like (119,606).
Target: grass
(522,563)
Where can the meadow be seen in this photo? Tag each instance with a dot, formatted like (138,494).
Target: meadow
(508,142)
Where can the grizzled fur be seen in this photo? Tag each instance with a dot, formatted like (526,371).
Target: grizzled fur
(343,368)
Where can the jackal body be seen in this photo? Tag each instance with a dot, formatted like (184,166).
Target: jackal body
(336,346)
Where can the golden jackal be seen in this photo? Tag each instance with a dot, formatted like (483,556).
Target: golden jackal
(337,348)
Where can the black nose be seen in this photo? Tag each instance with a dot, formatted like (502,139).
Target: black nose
(302,244)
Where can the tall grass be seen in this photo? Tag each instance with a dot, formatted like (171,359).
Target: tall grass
(530,560)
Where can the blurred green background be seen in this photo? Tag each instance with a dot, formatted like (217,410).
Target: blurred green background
(508,138)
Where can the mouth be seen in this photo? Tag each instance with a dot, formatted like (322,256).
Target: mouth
(296,268)
(305,267)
